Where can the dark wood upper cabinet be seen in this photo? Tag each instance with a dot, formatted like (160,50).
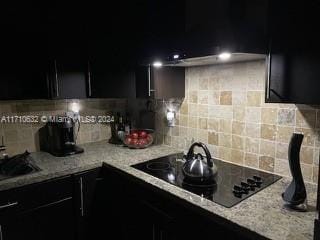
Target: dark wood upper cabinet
(44,51)
(111,82)
(67,50)
(113,44)
(225,25)
(162,30)
(293,67)
(194,29)
(160,83)
(22,47)
(68,79)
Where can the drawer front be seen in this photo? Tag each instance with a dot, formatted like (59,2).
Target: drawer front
(33,196)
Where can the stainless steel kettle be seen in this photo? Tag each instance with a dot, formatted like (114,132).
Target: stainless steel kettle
(195,169)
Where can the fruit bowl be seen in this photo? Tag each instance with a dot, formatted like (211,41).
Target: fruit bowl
(139,138)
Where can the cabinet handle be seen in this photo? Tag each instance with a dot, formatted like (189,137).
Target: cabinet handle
(89,80)
(56,78)
(81,197)
(153,232)
(8,205)
(268,76)
(49,88)
(149,82)
(1,236)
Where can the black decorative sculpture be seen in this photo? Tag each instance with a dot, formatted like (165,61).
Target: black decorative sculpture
(295,195)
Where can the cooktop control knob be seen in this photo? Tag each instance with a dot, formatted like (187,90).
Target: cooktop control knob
(237,191)
(245,187)
(258,180)
(251,183)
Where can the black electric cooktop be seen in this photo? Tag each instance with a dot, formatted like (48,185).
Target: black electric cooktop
(232,183)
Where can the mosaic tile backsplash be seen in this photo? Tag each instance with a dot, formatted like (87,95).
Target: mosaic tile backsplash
(19,137)
(224,108)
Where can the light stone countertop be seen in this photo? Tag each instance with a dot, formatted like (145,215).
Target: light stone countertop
(262,213)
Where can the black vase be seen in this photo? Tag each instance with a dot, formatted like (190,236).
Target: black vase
(295,195)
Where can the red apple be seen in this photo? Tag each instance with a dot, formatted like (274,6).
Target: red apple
(129,140)
(143,134)
(141,142)
(135,135)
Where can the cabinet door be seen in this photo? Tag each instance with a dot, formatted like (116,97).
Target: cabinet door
(38,211)
(54,221)
(22,47)
(68,79)
(293,72)
(160,83)
(163,32)
(316,229)
(213,26)
(123,218)
(139,210)
(169,82)
(159,224)
(113,44)
(85,192)
(67,49)
(128,213)
(111,81)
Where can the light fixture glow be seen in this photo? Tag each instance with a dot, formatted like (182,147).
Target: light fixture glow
(170,115)
(157,64)
(75,107)
(176,56)
(171,118)
(224,56)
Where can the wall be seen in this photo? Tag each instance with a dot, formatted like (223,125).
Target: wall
(224,108)
(19,137)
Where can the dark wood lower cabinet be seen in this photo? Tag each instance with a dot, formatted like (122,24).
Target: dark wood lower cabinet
(51,222)
(85,199)
(133,209)
(107,203)
(316,229)
(38,211)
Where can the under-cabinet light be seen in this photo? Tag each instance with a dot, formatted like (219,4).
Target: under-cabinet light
(157,64)
(224,55)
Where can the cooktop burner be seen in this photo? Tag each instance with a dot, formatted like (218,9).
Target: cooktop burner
(232,183)
(158,166)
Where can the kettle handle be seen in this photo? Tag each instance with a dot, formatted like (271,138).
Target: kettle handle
(190,153)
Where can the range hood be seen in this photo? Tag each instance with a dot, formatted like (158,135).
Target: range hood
(214,59)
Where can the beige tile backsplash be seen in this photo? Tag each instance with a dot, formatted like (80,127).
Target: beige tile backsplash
(224,108)
(19,137)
